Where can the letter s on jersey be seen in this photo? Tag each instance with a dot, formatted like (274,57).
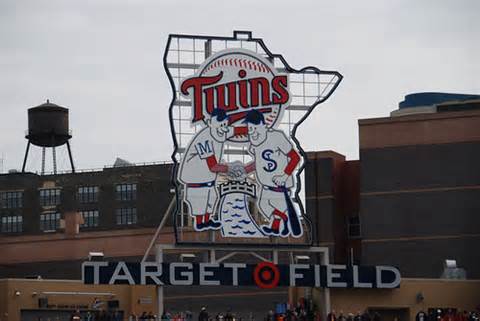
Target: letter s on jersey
(271,164)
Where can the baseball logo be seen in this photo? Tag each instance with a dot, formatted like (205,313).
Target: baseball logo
(239,97)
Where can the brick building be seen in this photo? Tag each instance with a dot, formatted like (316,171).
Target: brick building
(108,199)
(420,185)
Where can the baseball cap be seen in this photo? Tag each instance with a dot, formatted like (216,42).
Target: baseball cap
(219,114)
(254,117)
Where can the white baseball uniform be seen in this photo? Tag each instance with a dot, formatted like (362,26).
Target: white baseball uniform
(200,193)
(271,160)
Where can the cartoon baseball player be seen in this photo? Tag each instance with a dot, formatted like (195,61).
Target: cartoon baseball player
(274,161)
(200,166)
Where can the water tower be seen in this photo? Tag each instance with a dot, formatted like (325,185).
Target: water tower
(48,128)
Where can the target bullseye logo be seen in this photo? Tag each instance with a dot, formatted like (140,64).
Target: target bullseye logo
(266,275)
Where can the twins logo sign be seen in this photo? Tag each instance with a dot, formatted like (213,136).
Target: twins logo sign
(238,101)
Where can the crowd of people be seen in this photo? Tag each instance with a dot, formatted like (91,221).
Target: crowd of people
(448,315)
(431,315)
(359,316)
(299,313)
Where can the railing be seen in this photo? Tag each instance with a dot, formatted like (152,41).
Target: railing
(27,132)
(99,169)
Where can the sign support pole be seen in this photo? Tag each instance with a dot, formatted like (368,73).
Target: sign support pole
(159,259)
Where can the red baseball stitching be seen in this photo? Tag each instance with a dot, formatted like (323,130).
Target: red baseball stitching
(235,62)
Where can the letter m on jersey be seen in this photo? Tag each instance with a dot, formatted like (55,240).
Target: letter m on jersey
(204,149)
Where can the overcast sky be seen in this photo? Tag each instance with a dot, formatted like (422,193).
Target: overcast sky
(103,60)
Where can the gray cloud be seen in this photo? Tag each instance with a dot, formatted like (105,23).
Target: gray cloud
(103,60)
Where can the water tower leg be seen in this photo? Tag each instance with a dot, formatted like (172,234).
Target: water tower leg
(43,160)
(70,156)
(54,154)
(25,158)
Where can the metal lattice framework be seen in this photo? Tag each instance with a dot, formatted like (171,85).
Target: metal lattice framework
(184,56)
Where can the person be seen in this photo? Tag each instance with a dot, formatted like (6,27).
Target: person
(421,316)
(89,316)
(270,316)
(75,316)
(295,315)
(341,317)
(165,316)
(366,316)
(150,316)
(199,168)
(96,304)
(450,315)
(219,317)
(358,316)
(331,316)
(100,315)
(116,316)
(462,316)
(203,315)
(274,161)
(143,316)
(310,315)
(289,315)
(188,315)
(229,316)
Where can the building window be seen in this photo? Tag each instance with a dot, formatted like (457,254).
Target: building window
(12,224)
(126,216)
(354,228)
(90,218)
(12,199)
(50,197)
(87,194)
(126,192)
(49,221)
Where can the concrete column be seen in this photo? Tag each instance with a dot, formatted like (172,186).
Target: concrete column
(275,257)
(324,259)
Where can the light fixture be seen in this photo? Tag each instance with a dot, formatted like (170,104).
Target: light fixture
(301,258)
(95,256)
(187,257)
(451,264)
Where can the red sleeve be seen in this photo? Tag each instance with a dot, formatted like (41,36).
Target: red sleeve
(214,166)
(243,130)
(211,162)
(250,167)
(294,160)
